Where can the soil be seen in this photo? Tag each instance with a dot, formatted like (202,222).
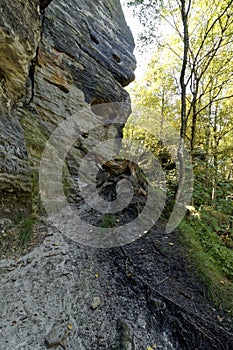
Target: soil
(149,297)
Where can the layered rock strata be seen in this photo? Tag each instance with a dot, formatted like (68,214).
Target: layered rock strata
(57,58)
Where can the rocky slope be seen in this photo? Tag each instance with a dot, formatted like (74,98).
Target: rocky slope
(142,296)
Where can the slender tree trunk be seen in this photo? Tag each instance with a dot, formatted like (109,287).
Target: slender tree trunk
(162,116)
(215,178)
(230,172)
(207,146)
(183,85)
(215,158)
(194,126)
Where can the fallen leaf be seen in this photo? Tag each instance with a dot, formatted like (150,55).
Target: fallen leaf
(129,274)
(220,319)
(69,326)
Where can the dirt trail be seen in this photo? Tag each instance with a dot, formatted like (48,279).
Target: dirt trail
(140,296)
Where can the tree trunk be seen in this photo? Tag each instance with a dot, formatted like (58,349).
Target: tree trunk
(215,159)
(193,127)
(184,15)
(183,72)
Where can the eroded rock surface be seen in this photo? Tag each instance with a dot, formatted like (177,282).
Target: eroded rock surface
(20,30)
(57,57)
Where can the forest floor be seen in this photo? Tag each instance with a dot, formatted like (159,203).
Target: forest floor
(144,295)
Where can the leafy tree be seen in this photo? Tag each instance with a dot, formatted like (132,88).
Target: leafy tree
(201,44)
(190,76)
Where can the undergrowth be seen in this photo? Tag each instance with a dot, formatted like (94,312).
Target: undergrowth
(212,259)
(25,228)
(18,236)
(108,221)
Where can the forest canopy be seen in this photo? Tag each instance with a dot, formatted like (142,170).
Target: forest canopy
(189,79)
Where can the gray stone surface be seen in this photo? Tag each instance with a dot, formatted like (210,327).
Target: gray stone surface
(54,286)
(15,181)
(96,302)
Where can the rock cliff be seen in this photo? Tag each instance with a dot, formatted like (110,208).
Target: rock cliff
(57,57)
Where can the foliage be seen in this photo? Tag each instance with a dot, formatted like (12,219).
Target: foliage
(108,221)
(148,12)
(212,258)
(17,235)
(25,228)
(188,88)
(207,123)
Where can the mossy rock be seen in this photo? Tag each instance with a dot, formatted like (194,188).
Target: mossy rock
(36,136)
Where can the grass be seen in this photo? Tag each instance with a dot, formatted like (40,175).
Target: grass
(108,221)
(25,228)
(212,259)
(17,236)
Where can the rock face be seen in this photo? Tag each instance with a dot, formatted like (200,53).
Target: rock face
(57,57)
(20,29)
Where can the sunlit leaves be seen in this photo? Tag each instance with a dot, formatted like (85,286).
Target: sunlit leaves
(208,77)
